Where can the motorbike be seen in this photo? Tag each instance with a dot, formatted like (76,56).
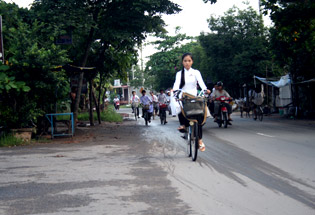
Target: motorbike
(163,108)
(117,104)
(222,118)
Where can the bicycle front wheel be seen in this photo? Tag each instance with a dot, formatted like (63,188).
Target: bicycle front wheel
(195,142)
(260,114)
(189,141)
(136,113)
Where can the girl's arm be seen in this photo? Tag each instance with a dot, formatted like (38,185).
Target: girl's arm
(177,81)
(200,80)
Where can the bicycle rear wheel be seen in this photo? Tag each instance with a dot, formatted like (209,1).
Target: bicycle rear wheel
(189,141)
(194,142)
(260,114)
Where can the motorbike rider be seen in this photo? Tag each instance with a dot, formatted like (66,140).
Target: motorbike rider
(218,93)
(211,100)
(162,100)
(146,100)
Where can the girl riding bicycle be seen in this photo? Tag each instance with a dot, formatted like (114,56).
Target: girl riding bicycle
(186,80)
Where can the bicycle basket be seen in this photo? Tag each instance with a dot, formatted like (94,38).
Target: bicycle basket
(162,106)
(146,107)
(135,104)
(192,106)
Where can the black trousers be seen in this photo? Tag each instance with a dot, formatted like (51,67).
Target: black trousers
(185,122)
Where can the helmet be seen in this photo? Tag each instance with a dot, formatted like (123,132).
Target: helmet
(219,83)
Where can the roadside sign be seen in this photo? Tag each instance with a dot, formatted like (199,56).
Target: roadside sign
(64,40)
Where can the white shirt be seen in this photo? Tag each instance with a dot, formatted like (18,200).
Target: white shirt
(146,100)
(192,76)
(212,93)
(162,98)
(134,98)
(154,98)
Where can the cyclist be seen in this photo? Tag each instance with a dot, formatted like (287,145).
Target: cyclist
(154,99)
(256,98)
(162,100)
(134,99)
(146,100)
(217,93)
(187,80)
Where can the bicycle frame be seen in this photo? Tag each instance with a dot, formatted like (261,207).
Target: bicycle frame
(192,132)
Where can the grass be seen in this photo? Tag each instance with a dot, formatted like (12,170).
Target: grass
(8,140)
(125,106)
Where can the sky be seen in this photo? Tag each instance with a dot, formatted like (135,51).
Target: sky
(192,19)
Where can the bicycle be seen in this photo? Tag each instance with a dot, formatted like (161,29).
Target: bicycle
(135,107)
(259,112)
(193,108)
(146,113)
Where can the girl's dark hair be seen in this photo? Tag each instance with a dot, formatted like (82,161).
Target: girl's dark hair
(182,80)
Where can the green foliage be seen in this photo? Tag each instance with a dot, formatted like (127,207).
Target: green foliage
(236,50)
(31,87)
(8,84)
(293,35)
(8,140)
(105,33)
(108,115)
(163,65)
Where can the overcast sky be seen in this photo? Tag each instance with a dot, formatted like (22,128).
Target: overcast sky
(193,17)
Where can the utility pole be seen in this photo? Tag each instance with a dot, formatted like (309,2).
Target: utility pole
(1,42)
(142,71)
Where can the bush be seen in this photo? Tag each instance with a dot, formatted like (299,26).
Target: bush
(10,140)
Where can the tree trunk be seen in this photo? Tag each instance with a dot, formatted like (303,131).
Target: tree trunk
(97,109)
(103,98)
(85,58)
(100,93)
(91,103)
(78,97)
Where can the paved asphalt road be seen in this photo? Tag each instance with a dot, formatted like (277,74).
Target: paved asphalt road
(247,169)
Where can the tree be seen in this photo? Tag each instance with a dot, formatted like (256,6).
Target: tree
(163,65)
(30,60)
(293,39)
(237,48)
(116,24)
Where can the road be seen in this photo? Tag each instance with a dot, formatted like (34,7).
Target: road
(249,168)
